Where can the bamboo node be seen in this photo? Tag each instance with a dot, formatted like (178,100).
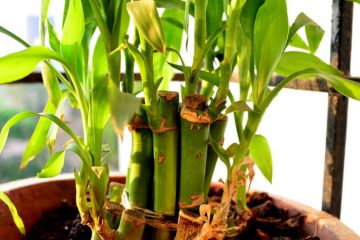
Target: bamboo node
(197,199)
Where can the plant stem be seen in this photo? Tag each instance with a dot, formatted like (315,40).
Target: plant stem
(141,162)
(199,41)
(131,225)
(195,127)
(217,130)
(229,53)
(166,155)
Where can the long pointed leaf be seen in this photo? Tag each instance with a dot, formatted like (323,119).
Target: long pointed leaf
(17,219)
(14,36)
(20,64)
(21,116)
(270,37)
(292,62)
(53,166)
(37,141)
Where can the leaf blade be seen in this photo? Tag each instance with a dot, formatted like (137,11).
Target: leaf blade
(261,154)
(17,219)
(53,166)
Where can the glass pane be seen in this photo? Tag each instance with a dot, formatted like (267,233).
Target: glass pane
(15,98)
(351,194)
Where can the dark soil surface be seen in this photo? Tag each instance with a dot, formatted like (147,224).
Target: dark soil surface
(266,222)
(63,223)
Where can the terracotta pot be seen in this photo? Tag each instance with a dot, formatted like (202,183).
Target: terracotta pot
(33,197)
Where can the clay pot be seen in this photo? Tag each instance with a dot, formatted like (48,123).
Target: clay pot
(33,197)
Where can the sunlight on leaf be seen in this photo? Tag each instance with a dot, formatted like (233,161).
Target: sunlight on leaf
(146,18)
(20,64)
(123,106)
(53,166)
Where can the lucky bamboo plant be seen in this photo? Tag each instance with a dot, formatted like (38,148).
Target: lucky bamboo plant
(176,137)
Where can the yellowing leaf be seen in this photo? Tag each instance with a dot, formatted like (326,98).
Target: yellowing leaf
(17,219)
(146,18)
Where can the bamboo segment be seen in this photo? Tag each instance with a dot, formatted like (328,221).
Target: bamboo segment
(140,172)
(166,154)
(195,127)
(217,130)
(189,226)
(132,225)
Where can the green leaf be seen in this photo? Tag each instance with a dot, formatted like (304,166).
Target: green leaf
(13,36)
(53,166)
(261,154)
(73,31)
(345,86)
(99,68)
(17,219)
(214,15)
(123,106)
(53,38)
(173,37)
(37,141)
(20,64)
(314,32)
(356,1)
(220,151)
(100,105)
(239,106)
(292,62)
(146,19)
(207,76)
(270,37)
(21,116)
(298,42)
(232,150)
(51,83)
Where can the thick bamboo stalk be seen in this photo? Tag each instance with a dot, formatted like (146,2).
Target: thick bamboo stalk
(140,173)
(166,155)
(132,225)
(195,127)
(166,160)
(189,226)
(217,130)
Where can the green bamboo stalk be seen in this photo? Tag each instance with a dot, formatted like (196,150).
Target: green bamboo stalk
(166,155)
(132,225)
(199,45)
(217,130)
(195,128)
(141,162)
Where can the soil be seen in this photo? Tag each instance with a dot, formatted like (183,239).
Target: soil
(63,223)
(266,222)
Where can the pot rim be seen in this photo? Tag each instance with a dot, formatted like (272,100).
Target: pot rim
(317,222)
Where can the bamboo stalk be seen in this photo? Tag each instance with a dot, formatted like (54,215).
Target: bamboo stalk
(132,225)
(166,160)
(189,225)
(140,171)
(195,127)
(217,130)
(165,155)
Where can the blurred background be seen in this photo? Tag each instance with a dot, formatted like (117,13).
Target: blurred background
(295,124)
